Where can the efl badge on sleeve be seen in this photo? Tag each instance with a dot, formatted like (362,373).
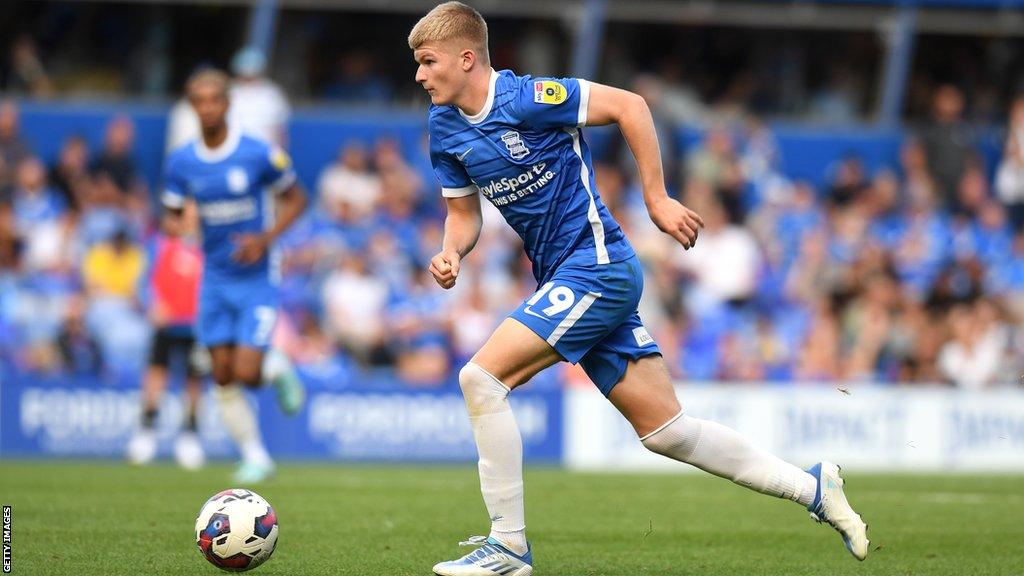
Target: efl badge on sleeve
(280,159)
(549,92)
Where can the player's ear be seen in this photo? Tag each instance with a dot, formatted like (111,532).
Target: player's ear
(467,58)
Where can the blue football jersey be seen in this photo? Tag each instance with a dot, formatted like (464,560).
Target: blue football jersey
(234,187)
(525,152)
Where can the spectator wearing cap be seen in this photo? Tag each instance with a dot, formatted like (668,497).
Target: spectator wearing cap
(258,105)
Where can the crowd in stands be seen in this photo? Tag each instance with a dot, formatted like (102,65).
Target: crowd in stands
(911,274)
(360,58)
(70,258)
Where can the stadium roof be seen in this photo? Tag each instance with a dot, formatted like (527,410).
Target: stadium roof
(966,17)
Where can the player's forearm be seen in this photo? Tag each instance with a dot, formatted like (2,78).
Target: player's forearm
(172,223)
(608,105)
(292,203)
(637,126)
(461,231)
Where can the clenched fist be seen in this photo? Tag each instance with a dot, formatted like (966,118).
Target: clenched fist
(445,268)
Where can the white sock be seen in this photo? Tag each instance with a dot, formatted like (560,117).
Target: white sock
(724,452)
(501,454)
(240,421)
(275,365)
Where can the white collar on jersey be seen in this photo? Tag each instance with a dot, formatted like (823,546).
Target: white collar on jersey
(226,148)
(488,104)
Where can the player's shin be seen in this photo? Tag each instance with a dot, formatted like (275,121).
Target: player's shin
(723,452)
(240,421)
(500,448)
(193,393)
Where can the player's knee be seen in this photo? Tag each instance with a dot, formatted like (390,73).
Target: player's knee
(484,394)
(222,374)
(247,376)
(676,439)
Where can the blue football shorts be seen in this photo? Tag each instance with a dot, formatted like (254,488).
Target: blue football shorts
(589,315)
(237,312)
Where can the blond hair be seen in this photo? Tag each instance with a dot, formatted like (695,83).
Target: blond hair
(208,76)
(449,21)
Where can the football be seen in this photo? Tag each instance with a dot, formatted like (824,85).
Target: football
(236,530)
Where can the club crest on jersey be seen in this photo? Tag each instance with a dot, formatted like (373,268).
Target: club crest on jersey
(515,145)
(548,92)
(238,180)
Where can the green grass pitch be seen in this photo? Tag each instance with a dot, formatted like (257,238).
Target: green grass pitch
(107,518)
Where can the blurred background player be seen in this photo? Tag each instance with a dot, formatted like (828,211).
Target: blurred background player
(259,106)
(516,140)
(175,269)
(234,180)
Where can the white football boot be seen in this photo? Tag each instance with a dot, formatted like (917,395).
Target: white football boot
(142,447)
(188,451)
(830,506)
(491,558)
(253,472)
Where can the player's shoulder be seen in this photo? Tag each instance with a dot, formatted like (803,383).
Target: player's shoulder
(509,82)
(252,144)
(181,156)
(526,84)
(255,149)
(508,87)
(518,95)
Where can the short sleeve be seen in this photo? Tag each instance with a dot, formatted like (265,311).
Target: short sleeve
(279,174)
(175,188)
(546,103)
(455,182)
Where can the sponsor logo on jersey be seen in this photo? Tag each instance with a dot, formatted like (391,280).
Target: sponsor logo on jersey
(227,211)
(238,180)
(514,142)
(508,190)
(549,92)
